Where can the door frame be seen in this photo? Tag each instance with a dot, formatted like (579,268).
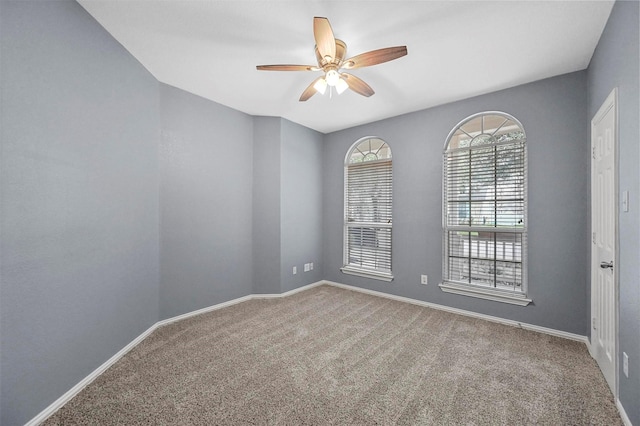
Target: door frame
(610,102)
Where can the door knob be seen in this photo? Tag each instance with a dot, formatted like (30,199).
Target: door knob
(605,265)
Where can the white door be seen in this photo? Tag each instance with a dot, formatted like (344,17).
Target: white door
(604,294)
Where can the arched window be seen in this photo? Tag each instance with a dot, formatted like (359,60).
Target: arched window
(368,209)
(485,209)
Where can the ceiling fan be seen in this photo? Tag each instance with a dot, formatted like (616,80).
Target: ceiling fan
(330,54)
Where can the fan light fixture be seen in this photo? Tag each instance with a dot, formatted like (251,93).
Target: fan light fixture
(331,79)
(320,85)
(330,54)
(341,86)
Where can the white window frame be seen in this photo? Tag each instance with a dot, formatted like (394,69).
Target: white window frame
(469,288)
(354,269)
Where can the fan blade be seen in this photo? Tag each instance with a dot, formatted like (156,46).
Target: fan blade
(325,41)
(286,67)
(309,91)
(357,85)
(375,57)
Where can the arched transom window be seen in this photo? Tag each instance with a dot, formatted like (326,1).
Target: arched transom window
(484,209)
(368,209)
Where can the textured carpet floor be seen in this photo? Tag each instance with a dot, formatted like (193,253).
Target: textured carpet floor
(333,356)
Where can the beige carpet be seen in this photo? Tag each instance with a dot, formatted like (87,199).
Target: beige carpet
(333,356)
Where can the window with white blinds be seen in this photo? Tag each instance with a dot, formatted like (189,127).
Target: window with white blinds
(368,210)
(485,205)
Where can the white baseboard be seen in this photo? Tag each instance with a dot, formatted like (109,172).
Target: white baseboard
(287,293)
(58,403)
(98,371)
(236,301)
(204,310)
(623,414)
(531,327)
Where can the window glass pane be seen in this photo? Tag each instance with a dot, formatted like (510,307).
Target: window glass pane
(484,195)
(510,131)
(356,157)
(458,244)
(491,123)
(370,156)
(482,171)
(482,213)
(459,212)
(368,206)
(384,153)
(370,150)
(480,245)
(509,247)
(510,214)
(375,144)
(459,140)
(482,139)
(508,276)
(369,189)
(482,272)
(473,127)
(459,269)
(370,247)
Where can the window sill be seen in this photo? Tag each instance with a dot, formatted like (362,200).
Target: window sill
(485,293)
(367,273)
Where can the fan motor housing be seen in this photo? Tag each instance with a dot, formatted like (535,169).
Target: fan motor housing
(341,51)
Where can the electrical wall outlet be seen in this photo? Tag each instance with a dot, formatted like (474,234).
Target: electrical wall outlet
(295,270)
(625,364)
(306,267)
(424,279)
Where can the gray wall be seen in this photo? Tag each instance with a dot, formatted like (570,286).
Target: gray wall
(615,64)
(206,180)
(266,205)
(300,205)
(553,114)
(79,213)
(287,209)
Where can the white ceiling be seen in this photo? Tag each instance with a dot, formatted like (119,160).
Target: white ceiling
(457,49)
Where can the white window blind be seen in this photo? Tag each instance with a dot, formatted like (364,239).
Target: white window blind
(485,206)
(368,210)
